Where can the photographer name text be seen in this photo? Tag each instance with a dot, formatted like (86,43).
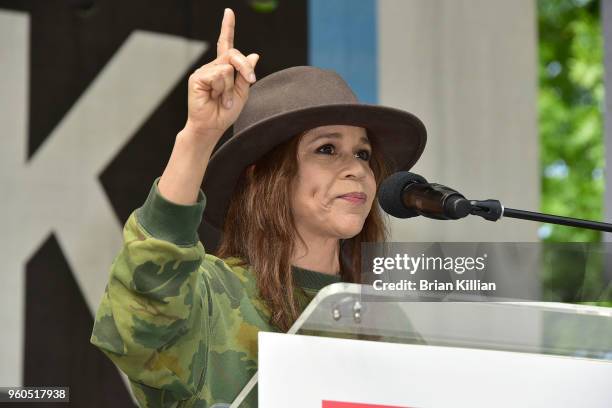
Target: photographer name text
(411,265)
(435,285)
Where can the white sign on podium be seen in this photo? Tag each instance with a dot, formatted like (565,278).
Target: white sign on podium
(307,371)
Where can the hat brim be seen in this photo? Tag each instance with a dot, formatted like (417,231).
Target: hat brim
(400,135)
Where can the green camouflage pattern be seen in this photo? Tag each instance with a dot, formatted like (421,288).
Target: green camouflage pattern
(182,324)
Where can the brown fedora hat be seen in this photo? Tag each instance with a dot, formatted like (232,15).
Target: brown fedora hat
(289,102)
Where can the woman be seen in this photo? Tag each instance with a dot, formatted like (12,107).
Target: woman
(297,179)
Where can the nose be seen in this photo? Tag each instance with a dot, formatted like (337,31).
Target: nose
(354,168)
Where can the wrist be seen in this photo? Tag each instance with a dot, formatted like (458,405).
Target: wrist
(200,135)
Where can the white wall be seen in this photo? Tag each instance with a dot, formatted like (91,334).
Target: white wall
(468,69)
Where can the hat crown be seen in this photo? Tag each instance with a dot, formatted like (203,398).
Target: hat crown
(293,89)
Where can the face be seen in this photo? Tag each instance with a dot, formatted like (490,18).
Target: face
(335,185)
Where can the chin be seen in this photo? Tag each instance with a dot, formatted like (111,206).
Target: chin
(349,228)
(348,234)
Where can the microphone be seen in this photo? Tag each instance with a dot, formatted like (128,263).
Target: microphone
(406,195)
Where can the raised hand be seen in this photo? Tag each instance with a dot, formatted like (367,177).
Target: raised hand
(215,98)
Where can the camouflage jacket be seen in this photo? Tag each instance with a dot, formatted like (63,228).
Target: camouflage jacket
(182,324)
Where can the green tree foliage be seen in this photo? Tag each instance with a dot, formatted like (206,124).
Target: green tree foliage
(571,120)
(571,106)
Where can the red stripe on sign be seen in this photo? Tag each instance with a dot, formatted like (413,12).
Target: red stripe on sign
(339,404)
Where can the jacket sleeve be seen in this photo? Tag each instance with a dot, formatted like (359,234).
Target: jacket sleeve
(152,321)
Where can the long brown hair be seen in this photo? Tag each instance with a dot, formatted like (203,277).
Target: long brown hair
(259,229)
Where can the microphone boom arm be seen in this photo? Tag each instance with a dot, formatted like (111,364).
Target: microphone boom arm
(493,210)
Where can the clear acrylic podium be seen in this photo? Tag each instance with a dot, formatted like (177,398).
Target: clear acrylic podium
(425,350)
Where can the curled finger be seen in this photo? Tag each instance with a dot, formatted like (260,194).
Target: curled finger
(227,98)
(217,84)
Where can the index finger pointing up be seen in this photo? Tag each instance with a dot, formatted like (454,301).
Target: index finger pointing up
(226,37)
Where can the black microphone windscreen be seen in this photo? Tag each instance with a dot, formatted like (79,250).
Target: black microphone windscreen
(390,194)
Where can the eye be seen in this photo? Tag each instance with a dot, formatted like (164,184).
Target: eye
(326,149)
(363,155)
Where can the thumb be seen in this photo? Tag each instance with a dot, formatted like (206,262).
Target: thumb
(253,59)
(242,85)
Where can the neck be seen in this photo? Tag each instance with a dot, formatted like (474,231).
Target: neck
(317,254)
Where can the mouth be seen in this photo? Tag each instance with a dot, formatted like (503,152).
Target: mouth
(354,197)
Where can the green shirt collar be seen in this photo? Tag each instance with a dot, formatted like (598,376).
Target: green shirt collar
(308,279)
